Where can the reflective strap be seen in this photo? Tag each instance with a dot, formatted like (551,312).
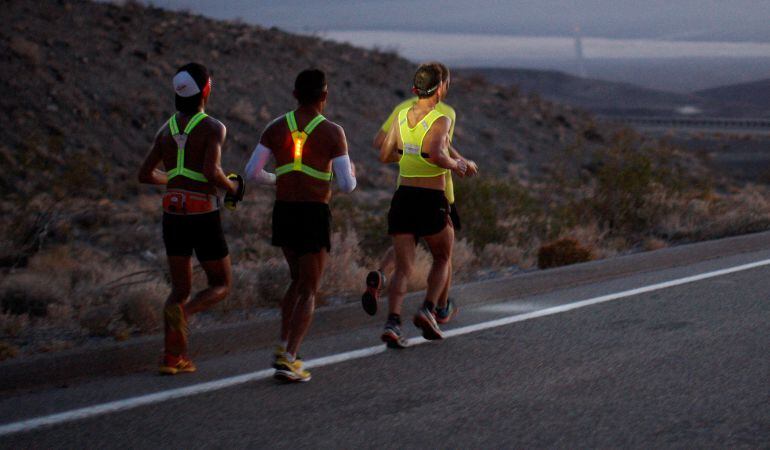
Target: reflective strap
(313,123)
(291,121)
(172,125)
(299,138)
(196,119)
(307,170)
(197,176)
(180,169)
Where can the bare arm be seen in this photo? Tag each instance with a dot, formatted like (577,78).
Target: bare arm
(149,172)
(473,169)
(389,147)
(379,138)
(212,168)
(436,141)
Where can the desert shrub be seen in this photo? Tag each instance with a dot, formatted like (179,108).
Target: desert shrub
(141,307)
(637,184)
(8,350)
(561,253)
(418,279)
(271,278)
(487,205)
(463,259)
(343,273)
(30,293)
(13,325)
(98,321)
(257,284)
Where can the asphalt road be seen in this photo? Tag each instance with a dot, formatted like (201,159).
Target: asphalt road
(680,366)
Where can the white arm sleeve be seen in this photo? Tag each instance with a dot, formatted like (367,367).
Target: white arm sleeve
(342,170)
(255,168)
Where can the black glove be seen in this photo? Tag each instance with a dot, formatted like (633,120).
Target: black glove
(230,199)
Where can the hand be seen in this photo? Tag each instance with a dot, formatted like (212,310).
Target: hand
(473,169)
(232,199)
(460,167)
(352,169)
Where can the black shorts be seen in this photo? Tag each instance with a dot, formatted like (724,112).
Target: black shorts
(304,227)
(200,232)
(455,217)
(417,211)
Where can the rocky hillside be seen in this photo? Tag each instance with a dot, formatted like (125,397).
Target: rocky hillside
(86,85)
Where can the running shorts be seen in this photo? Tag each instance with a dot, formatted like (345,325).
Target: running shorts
(199,232)
(455,217)
(304,227)
(417,211)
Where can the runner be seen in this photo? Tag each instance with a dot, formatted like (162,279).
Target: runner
(419,207)
(189,145)
(375,280)
(306,148)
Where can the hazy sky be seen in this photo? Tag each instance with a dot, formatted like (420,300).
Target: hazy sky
(712,20)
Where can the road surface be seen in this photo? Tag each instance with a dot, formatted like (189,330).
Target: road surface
(676,357)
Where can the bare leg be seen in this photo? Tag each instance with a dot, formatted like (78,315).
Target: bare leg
(440,245)
(388,262)
(219,276)
(174,317)
(291,296)
(311,266)
(444,297)
(404,249)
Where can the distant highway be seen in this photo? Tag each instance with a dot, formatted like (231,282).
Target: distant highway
(712,124)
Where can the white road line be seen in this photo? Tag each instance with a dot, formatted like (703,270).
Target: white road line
(134,402)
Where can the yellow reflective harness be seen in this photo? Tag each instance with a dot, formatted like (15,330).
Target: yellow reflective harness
(413,162)
(181,141)
(299,138)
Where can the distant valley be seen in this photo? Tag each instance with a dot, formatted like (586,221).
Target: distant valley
(622,99)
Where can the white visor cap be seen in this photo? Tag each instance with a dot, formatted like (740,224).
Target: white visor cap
(184,85)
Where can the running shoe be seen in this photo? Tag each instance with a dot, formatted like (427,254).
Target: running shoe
(172,365)
(292,371)
(278,352)
(444,315)
(425,321)
(375,281)
(392,336)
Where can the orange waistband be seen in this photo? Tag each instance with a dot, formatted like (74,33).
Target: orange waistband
(178,201)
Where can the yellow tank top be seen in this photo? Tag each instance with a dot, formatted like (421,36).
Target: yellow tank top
(412,163)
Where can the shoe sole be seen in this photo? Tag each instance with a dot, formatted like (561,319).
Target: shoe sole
(369,302)
(173,370)
(369,299)
(447,319)
(289,376)
(393,341)
(428,332)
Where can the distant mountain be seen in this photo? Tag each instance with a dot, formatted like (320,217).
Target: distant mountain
(613,98)
(755,94)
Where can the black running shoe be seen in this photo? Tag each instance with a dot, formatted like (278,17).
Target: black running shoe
(392,336)
(444,315)
(425,321)
(375,281)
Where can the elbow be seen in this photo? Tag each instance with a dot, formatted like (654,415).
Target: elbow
(210,174)
(348,187)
